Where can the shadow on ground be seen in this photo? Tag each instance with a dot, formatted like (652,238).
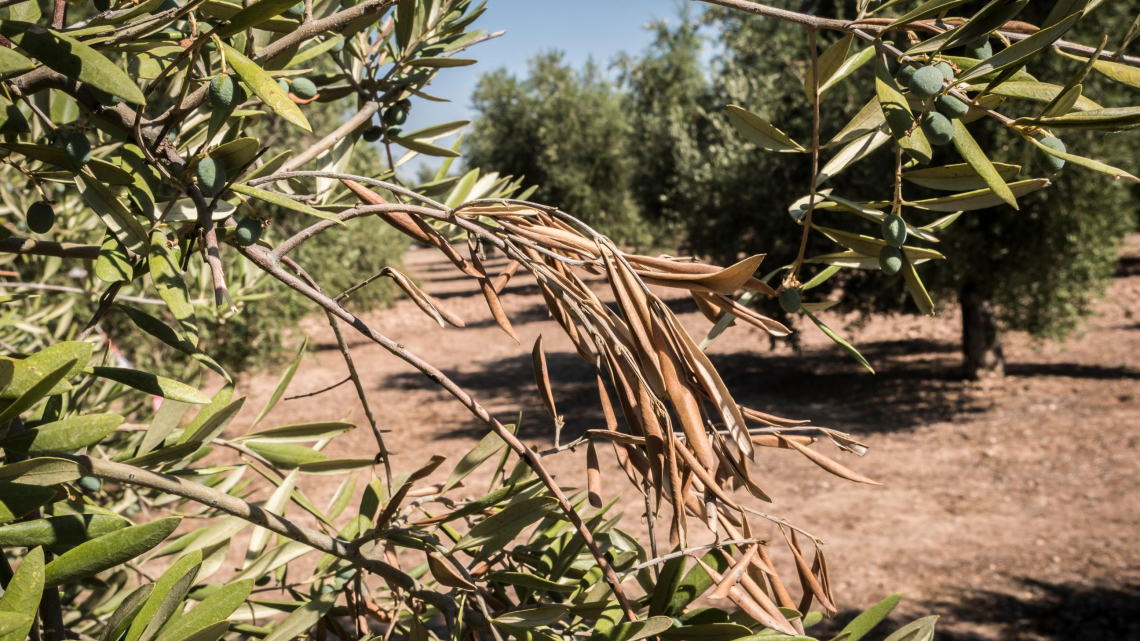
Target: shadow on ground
(1043,612)
(907,392)
(918,383)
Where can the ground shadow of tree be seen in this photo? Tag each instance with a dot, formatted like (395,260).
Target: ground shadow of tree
(1095,611)
(906,393)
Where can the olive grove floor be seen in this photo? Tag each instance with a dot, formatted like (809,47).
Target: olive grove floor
(1009,507)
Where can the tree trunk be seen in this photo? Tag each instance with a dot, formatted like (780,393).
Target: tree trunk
(981,343)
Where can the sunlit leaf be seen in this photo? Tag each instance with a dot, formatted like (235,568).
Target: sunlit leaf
(72,59)
(108,551)
(265,87)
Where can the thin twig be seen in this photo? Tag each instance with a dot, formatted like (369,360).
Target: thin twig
(320,391)
(793,276)
(687,551)
(346,353)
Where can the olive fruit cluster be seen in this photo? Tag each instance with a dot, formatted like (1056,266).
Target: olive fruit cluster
(393,118)
(890,256)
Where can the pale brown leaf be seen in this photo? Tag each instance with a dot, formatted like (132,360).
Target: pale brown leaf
(830,465)
(593,476)
(746,603)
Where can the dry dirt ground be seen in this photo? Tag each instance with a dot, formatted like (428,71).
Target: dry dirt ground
(1009,508)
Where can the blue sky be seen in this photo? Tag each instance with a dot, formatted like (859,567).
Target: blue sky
(581,28)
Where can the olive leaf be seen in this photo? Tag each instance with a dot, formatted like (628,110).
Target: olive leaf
(898,115)
(152,384)
(171,337)
(848,347)
(63,436)
(961,177)
(282,384)
(72,59)
(22,595)
(829,63)
(990,17)
(926,10)
(1019,52)
(265,87)
(972,153)
(60,531)
(121,222)
(284,202)
(308,614)
(1087,163)
(757,131)
(18,499)
(253,15)
(107,551)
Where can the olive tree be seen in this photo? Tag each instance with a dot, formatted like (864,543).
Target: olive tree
(158,180)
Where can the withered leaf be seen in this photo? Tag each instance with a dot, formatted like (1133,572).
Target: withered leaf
(828,464)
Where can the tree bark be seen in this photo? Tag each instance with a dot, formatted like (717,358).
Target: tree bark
(981,343)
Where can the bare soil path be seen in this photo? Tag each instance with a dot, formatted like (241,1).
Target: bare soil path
(1010,508)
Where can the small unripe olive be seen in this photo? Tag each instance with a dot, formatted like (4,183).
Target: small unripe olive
(283,84)
(978,42)
(926,82)
(41,217)
(790,300)
(938,128)
(102,5)
(296,11)
(890,260)
(372,134)
(405,104)
(951,107)
(981,50)
(173,135)
(222,92)
(395,116)
(248,232)
(946,69)
(906,72)
(1050,164)
(262,580)
(395,131)
(894,230)
(78,148)
(90,483)
(211,176)
(339,46)
(304,88)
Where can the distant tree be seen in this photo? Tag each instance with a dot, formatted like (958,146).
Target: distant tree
(565,131)
(1038,269)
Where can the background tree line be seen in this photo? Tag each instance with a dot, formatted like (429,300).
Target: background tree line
(648,154)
